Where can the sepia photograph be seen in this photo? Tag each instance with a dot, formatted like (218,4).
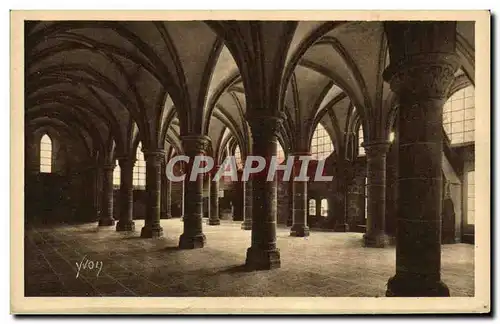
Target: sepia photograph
(296,162)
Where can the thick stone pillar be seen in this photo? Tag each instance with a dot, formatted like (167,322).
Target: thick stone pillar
(106,217)
(263,253)
(214,200)
(152,228)
(423,63)
(168,198)
(193,236)
(165,192)
(247,205)
(376,188)
(181,199)
(126,196)
(299,201)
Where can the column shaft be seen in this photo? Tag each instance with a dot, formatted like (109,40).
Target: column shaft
(376,188)
(126,198)
(193,236)
(263,253)
(168,199)
(247,205)
(214,201)
(299,203)
(152,226)
(106,218)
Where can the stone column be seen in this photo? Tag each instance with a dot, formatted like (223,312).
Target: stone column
(193,236)
(168,199)
(106,217)
(263,253)
(164,191)
(299,200)
(126,196)
(152,228)
(423,63)
(181,199)
(214,199)
(247,205)
(376,187)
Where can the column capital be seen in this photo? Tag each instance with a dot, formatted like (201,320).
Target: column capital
(108,167)
(301,153)
(376,148)
(125,161)
(195,144)
(263,125)
(423,76)
(155,156)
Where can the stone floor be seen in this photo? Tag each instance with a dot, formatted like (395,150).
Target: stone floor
(324,264)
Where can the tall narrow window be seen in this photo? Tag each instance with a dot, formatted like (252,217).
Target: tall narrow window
(237,157)
(392,136)
(458,116)
(312,207)
(280,153)
(324,207)
(116,175)
(45,154)
(321,144)
(139,168)
(361,149)
(470,198)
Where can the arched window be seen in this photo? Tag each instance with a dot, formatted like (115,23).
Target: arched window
(321,144)
(392,136)
(116,175)
(361,149)
(312,207)
(139,168)
(280,153)
(458,116)
(324,207)
(46,154)
(237,156)
(470,198)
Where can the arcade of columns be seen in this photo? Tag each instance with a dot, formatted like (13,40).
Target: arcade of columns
(421,70)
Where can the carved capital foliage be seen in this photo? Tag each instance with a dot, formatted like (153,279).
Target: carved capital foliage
(126,162)
(265,126)
(374,149)
(195,144)
(155,157)
(423,77)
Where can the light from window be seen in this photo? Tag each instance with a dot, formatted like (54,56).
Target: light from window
(139,168)
(392,135)
(361,149)
(324,207)
(116,175)
(458,116)
(470,198)
(45,154)
(321,144)
(237,156)
(280,153)
(312,207)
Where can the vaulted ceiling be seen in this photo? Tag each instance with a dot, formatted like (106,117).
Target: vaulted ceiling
(116,83)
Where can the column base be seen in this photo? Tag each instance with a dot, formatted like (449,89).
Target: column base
(258,259)
(107,222)
(125,226)
(299,230)
(212,221)
(415,286)
(375,241)
(246,225)
(152,231)
(192,242)
(341,228)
